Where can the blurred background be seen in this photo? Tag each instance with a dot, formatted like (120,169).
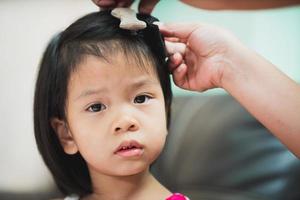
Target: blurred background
(27,26)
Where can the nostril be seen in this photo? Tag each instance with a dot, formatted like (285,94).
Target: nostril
(126,127)
(132,126)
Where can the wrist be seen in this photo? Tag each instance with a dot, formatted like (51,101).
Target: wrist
(239,68)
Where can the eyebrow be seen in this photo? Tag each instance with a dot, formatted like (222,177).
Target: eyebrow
(91,92)
(134,85)
(142,82)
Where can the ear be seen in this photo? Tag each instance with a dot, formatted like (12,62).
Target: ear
(64,135)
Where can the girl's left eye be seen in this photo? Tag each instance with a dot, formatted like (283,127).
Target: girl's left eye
(96,107)
(142,99)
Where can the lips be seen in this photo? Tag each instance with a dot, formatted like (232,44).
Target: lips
(129,149)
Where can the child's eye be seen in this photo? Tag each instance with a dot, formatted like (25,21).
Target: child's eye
(96,107)
(142,98)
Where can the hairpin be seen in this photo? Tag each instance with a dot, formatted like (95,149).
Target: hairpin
(128,19)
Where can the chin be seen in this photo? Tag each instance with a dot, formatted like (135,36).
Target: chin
(132,170)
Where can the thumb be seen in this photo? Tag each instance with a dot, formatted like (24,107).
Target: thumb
(146,6)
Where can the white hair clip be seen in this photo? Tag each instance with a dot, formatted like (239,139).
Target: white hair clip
(128,19)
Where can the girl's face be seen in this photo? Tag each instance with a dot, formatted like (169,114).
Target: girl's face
(116,116)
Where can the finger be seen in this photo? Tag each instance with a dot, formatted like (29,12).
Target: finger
(109,4)
(172,39)
(105,3)
(124,3)
(146,6)
(178,30)
(167,34)
(179,75)
(174,61)
(175,47)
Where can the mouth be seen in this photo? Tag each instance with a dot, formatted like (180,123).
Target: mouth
(129,149)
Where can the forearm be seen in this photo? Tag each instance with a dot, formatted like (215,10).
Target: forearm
(268,94)
(240,4)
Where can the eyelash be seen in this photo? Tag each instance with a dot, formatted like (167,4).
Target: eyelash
(143,95)
(90,108)
(99,109)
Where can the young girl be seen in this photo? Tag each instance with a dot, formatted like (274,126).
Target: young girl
(101,109)
(203,56)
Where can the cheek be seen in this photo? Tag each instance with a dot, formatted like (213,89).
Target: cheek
(88,127)
(90,137)
(157,121)
(157,144)
(94,149)
(157,132)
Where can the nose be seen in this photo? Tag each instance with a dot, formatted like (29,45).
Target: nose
(125,124)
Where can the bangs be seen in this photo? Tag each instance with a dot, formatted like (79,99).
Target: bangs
(135,53)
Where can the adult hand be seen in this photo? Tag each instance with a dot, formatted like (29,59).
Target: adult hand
(203,57)
(145,6)
(200,54)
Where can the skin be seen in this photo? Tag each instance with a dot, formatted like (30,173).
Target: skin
(109,103)
(203,57)
(239,5)
(147,6)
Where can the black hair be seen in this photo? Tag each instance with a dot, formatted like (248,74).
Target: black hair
(94,34)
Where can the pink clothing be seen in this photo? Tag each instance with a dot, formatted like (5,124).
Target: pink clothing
(177,196)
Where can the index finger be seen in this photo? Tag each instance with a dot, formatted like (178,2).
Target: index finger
(175,47)
(178,30)
(109,4)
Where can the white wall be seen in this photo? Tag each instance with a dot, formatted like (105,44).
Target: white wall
(26,27)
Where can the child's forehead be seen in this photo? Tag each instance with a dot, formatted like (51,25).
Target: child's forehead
(133,53)
(112,62)
(96,74)
(126,62)
(120,70)
(134,62)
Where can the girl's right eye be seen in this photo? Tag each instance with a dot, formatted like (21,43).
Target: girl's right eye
(96,107)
